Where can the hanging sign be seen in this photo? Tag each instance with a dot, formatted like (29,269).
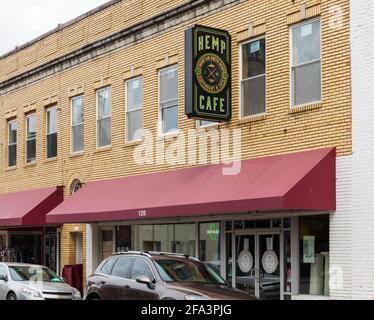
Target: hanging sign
(208,73)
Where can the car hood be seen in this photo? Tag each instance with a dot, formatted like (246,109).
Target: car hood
(48,286)
(213,291)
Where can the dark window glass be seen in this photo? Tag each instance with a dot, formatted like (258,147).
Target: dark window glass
(141,268)
(52,132)
(31,138)
(12,155)
(12,143)
(31,150)
(314,255)
(122,267)
(52,145)
(123,238)
(107,267)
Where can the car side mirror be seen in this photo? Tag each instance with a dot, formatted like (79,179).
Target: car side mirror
(3,277)
(143,279)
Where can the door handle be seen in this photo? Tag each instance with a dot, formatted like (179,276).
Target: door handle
(127,287)
(102,283)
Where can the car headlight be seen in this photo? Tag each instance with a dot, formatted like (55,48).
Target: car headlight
(196,297)
(77,294)
(31,293)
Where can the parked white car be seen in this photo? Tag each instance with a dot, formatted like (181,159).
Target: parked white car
(32,282)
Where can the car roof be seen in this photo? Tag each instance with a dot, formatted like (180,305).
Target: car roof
(155,255)
(18,264)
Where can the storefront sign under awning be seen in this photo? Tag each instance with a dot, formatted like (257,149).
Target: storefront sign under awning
(298,181)
(28,208)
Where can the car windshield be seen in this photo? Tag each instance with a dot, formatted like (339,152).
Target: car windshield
(176,270)
(33,273)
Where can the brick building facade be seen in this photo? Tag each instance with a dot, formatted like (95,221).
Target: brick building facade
(125,40)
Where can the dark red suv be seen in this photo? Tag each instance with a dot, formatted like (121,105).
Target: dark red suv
(158,276)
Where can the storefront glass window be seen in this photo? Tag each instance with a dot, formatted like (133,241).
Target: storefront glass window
(176,238)
(209,244)
(314,255)
(25,248)
(123,238)
(287,262)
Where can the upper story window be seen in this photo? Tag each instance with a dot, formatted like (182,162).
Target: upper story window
(253,78)
(168,99)
(31,138)
(12,143)
(134,102)
(77,124)
(104,117)
(306,63)
(51,138)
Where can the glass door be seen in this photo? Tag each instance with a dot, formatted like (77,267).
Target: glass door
(258,264)
(245,271)
(269,266)
(51,251)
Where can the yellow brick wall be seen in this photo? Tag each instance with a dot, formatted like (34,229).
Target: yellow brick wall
(280,131)
(114,18)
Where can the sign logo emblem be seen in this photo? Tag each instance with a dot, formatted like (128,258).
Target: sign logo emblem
(213,232)
(211,73)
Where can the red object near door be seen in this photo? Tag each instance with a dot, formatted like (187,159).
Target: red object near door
(73,275)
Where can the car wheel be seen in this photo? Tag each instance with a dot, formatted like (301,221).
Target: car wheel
(11,296)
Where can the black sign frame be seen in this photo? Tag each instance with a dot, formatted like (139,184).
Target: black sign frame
(197,63)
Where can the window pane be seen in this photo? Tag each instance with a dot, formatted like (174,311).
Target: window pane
(314,255)
(12,155)
(52,120)
(12,132)
(168,84)
(104,103)
(254,56)
(253,96)
(141,268)
(107,267)
(77,137)
(169,119)
(306,43)
(122,268)
(210,245)
(134,125)
(185,236)
(134,94)
(307,83)
(31,126)
(52,145)
(77,111)
(204,123)
(31,150)
(104,132)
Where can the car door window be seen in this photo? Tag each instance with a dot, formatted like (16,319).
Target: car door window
(141,268)
(107,267)
(122,267)
(2,271)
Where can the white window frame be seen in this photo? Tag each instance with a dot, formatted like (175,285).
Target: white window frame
(74,125)
(13,143)
(127,82)
(291,28)
(160,120)
(213,124)
(27,139)
(241,77)
(50,133)
(97,119)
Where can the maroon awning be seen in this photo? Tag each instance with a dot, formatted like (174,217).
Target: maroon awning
(28,208)
(297,181)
